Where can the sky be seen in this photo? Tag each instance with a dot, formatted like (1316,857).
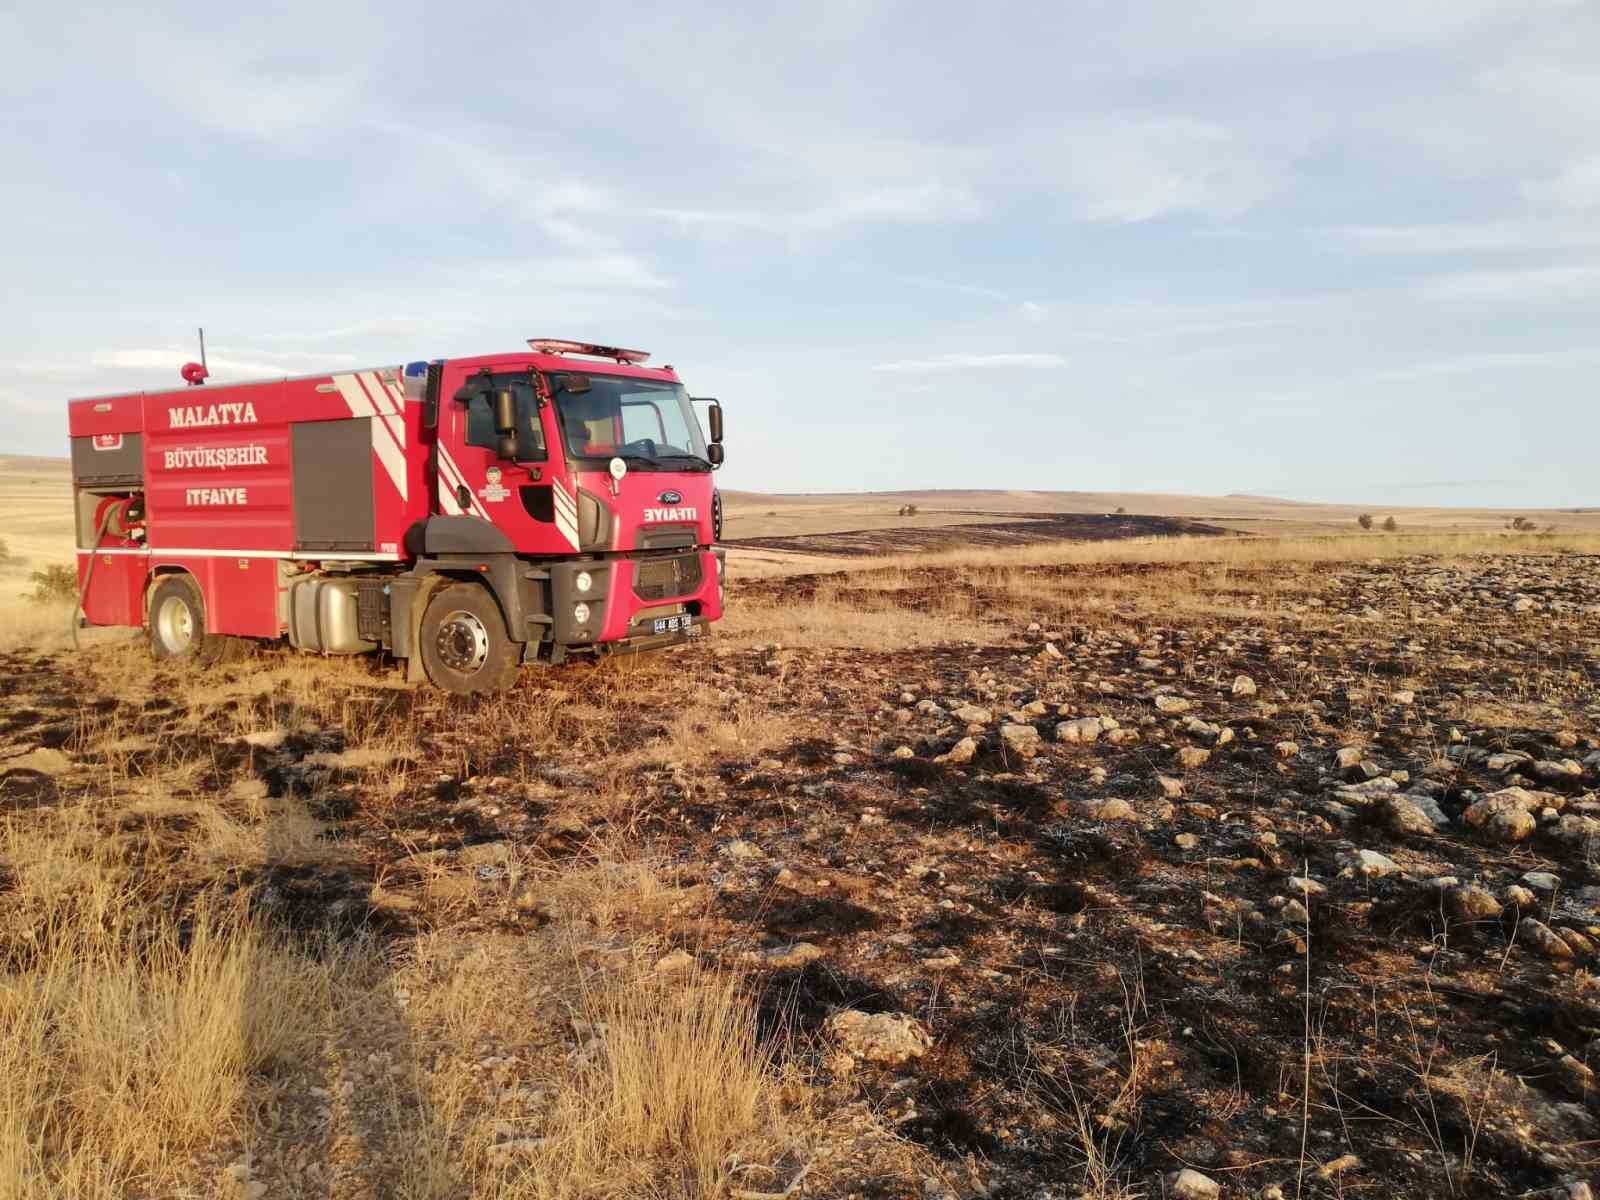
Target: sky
(1346,252)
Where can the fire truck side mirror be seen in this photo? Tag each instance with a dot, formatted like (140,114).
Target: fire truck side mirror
(505,424)
(714,454)
(715,417)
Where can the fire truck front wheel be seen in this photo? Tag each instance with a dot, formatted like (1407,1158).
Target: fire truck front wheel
(178,624)
(463,641)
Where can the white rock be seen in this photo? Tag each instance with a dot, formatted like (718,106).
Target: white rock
(1189,1184)
(885,1038)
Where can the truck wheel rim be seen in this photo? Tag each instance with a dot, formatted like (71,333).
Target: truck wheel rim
(463,642)
(175,625)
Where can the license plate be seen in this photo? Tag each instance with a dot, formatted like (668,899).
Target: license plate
(672,624)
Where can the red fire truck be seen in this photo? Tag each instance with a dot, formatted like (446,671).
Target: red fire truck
(465,515)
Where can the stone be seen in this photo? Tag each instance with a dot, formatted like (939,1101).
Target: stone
(1189,1184)
(678,960)
(1403,697)
(1193,756)
(1555,770)
(1021,740)
(1502,816)
(1469,902)
(903,752)
(1172,705)
(1406,816)
(797,955)
(962,752)
(1171,788)
(741,850)
(888,1039)
(1581,946)
(1083,729)
(1519,896)
(1287,749)
(1348,757)
(1541,881)
(1369,864)
(972,714)
(1540,937)
(1114,809)
(1243,685)
(1186,841)
(1576,1077)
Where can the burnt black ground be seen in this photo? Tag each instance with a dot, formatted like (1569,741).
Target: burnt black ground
(1067,964)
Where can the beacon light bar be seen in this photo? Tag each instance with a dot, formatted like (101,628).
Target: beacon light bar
(559,346)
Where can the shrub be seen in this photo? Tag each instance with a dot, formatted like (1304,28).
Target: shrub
(56,582)
(1364,520)
(1522,525)
(1390,525)
(1122,511)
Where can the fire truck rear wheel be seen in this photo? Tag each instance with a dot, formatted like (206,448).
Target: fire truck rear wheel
(178,624)
(464,644)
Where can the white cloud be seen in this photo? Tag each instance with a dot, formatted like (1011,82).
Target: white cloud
(1576,186)
(229,91)
(220,361)
(1128,169)
(925,201)
(1535,283)
(970,362)
(1468,364)
(1467,237)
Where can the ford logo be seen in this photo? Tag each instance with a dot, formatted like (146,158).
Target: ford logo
(670,498)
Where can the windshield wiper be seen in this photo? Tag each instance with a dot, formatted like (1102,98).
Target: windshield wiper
(690,458)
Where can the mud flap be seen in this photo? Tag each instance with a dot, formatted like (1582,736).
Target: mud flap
(408,599)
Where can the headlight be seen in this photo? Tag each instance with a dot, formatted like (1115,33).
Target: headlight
(583,581)
(720,566)
(580,613)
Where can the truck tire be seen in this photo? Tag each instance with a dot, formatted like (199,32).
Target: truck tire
(463,640)
(178,624)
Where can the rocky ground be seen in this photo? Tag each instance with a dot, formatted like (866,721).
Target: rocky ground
(1269,882)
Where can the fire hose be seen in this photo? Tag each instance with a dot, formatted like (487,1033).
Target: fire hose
(120,511)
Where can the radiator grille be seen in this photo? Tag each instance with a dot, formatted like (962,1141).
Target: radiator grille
(664,578)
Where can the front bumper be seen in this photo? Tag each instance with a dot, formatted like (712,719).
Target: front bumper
(629,594)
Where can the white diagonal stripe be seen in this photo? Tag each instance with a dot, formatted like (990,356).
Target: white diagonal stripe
(355,396)
(381,399)
(457,479)
(388,442)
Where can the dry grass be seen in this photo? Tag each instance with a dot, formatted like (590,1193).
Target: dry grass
(671,1094)
(25,624)
(127,1038)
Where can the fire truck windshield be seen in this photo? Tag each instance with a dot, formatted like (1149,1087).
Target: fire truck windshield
(646,422)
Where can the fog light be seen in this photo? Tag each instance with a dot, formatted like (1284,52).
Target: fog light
(583,581)
(719,566)
(580,613)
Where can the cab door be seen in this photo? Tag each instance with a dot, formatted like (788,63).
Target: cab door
(530,499)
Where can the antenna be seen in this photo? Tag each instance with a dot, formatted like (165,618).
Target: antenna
(194,374)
